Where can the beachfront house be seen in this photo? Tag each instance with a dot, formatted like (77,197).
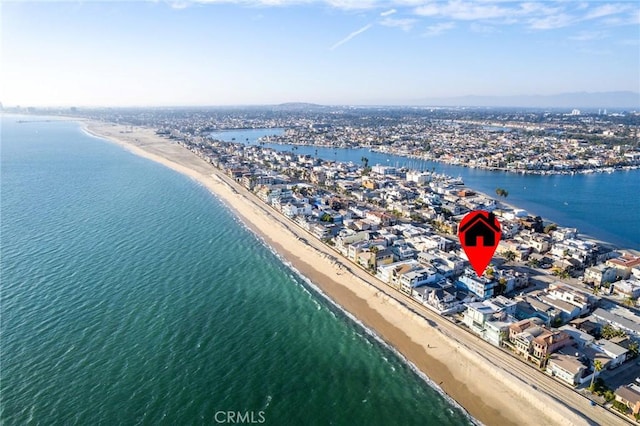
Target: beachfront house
(624,264)
(535,342)
(478,314)
(567,368)
(496,332)
(443,300)
(418,277)
(390,274)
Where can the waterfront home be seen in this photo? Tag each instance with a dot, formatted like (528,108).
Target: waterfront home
(624,264)
(569,369)
(635,272)
(522,342)
(522,325)
(629,395)
(390,273)
(496,332)
(418,277)
(444,300)
(549,342)
(586,252)
(293,209)
(373,258)
(478,314)
(348,236)
(562,233)
(323,231)
(536,342)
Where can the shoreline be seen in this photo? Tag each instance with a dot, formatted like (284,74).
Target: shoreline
(463,369)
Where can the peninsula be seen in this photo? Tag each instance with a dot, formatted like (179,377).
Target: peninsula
(511,347)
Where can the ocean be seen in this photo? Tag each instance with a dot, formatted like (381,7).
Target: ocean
(601,205)
(131,295)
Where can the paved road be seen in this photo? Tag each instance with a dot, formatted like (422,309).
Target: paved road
(497,357)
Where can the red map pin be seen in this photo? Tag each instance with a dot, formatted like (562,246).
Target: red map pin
(479,233)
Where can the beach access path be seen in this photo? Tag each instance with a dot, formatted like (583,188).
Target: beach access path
(493,386)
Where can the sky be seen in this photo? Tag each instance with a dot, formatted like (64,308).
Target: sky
(243,52)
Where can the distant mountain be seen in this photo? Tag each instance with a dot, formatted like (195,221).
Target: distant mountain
(618,100)
(298,106)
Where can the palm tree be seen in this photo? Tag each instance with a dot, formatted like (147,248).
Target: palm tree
(510,255)
(597,366)
(365,161)
(633,349)
(629,301)
(545,361)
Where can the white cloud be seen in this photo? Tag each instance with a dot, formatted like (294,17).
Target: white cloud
(534,15)
(465,11)
(404,24)
(607,10)
(552,22)
(338,4)
(589,35)
(350,36)
(437,29)
(179,5)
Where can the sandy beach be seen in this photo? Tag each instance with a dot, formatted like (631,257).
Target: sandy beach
(493,387)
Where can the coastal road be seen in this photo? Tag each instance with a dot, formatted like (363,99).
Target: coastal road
(496,357)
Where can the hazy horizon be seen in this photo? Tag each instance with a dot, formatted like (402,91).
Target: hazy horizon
(331,52)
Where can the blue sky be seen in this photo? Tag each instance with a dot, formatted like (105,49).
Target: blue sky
(239,52)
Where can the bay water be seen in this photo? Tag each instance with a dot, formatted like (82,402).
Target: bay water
(601,205)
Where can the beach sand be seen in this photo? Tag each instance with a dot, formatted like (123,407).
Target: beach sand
(466,369)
